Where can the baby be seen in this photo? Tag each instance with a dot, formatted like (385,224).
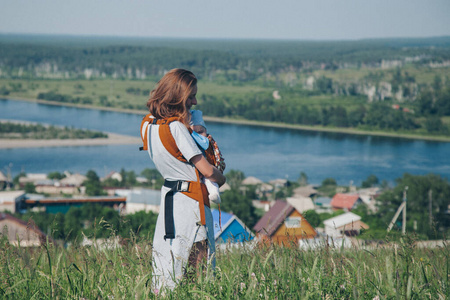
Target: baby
(211,152)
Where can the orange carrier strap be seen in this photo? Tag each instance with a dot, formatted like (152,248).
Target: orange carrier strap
(193,189)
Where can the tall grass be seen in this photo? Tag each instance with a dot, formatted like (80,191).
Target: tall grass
(394,271)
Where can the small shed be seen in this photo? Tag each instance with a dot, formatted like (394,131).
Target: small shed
(230,229)
(20,232)
(348,224)
(283,224)
(345,201)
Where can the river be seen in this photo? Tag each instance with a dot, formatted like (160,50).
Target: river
(266,153)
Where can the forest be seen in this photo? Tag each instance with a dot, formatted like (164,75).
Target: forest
(390,85)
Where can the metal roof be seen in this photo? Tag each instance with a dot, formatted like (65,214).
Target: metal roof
(273,219)
(342,220)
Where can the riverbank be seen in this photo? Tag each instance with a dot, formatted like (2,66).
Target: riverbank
(259,123)
(113,139)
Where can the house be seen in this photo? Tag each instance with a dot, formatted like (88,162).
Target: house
(323,205)
(305,191)
(113,175)
(261,188)
(301,203)
(345,201)
(71,185)
(279,183)
(251,181)
(31,178)
(224,187)
(368,196)
(5,182)
(230,229)
(11,200)
(75,180)
(283,224)
(20,232)
(263,204)
(348,224)
(141,200)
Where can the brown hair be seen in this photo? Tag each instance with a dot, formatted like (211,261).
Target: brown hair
(169,97)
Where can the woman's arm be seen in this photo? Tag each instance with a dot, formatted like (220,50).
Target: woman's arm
(209,171)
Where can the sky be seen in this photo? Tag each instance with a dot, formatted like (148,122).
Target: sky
(228,19)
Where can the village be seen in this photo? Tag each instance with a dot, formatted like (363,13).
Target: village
(282,219)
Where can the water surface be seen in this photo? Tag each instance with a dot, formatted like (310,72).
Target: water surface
(266,153)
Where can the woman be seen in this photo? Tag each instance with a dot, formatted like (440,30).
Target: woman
(184,229)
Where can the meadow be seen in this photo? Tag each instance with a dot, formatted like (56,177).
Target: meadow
(399,270)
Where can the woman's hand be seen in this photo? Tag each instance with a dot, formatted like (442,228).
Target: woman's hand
(209,171)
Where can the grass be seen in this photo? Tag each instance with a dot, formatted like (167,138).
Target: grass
(114,90)
(394,271)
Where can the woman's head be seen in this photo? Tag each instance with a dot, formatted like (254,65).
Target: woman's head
(174,95)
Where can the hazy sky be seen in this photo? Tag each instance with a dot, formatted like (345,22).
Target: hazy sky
(269,19)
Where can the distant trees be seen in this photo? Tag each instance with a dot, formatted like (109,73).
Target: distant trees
(55,175)
(93,184)
(93,221)
(240,204)
(371,181)
(427,206)
(53,96)
(39,131)
(377,116)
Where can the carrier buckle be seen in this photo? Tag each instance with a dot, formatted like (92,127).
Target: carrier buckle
(183,186)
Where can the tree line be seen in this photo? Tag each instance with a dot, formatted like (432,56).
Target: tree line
(250,58)
(12,130)
(430,106)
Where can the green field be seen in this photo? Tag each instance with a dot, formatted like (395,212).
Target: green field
(114,90)
(388,271)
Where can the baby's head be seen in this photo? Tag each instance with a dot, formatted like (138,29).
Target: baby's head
(199,129)
(197,123)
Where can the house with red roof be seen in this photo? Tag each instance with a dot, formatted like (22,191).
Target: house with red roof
(345,201)
(283,224)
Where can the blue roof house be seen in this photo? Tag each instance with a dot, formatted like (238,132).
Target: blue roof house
(233,230)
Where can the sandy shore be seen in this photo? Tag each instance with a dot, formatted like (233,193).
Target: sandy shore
(113,139)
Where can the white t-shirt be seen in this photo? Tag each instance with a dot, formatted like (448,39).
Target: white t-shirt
(170,167)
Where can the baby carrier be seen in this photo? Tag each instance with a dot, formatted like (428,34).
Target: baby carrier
(193,189)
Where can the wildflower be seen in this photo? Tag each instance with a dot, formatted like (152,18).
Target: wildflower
(376,297)
(242,286)
(253,276)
